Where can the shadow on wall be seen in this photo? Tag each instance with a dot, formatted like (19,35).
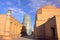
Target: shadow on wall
(46,31)
(23,31)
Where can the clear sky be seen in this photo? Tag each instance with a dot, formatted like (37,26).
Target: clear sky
(21,7)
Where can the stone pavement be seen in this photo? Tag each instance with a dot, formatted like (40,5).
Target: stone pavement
(24,38)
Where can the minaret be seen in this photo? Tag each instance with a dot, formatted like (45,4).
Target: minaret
(9,12)
(7,26)
(7,21)
(27,24)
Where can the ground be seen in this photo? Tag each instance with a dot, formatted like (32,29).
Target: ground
(22,38)
(25,38)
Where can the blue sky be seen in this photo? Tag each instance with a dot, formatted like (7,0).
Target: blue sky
(21,7)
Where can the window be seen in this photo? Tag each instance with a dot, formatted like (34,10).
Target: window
(53,31)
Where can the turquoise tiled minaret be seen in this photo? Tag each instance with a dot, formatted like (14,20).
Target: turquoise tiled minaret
(27,24)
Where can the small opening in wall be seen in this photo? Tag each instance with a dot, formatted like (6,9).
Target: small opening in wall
(53,31)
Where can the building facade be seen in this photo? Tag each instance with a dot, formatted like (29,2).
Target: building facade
(9,27)
(47,23)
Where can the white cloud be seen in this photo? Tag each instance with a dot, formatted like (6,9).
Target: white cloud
(50,3)
(58,0)
(17,10)
(18,13)
(37,3)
